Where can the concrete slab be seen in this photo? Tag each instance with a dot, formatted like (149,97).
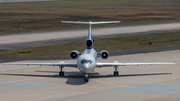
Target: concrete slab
(150,89)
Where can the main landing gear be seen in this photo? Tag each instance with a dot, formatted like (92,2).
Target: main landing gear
(86,78)
(61,73)
(116,73)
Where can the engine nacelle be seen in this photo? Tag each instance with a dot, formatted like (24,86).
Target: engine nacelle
(104,54)
(74,54)
(89,43)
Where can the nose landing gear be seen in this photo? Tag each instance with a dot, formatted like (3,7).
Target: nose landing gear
(86,78)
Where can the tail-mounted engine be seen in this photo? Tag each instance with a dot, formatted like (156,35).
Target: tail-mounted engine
(74,54)
(89,43)
(104,54)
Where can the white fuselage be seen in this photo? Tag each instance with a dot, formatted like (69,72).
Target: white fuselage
(87,61)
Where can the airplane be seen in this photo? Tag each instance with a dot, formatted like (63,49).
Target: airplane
(87,60)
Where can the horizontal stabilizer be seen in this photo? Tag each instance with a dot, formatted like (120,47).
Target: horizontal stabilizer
(90,23)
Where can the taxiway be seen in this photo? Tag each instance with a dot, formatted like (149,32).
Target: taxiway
(135,83)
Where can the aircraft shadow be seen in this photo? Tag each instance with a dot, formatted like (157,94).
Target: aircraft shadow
(77,78)
(128,75)
(48,71)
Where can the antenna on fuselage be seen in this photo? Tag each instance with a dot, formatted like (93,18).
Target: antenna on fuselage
(89,41)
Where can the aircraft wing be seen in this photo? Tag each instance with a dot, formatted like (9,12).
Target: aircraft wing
(46,64)
(99,64)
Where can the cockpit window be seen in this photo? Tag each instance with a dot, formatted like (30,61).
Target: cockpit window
(86,61)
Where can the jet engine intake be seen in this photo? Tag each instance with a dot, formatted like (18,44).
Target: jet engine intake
(74,54)
(104,54)
(89,43)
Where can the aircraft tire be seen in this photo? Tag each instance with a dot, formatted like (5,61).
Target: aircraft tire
(86,79)
(117,74)
(62,73)
(59,73)
(114,73)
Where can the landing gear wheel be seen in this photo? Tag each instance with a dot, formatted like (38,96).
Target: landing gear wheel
(116,73)
(61,73)
(86,79)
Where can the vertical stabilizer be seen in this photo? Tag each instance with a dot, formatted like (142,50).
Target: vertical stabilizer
(89,41)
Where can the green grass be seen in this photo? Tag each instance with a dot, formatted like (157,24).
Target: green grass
(118,44)
(37,16)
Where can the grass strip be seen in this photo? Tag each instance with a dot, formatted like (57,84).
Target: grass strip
(117,44)
(37,16)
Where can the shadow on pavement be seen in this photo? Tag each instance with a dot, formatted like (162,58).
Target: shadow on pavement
(77,78)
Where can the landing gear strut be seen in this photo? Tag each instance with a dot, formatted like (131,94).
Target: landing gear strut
(86,78)
(116,73)
(61,73)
